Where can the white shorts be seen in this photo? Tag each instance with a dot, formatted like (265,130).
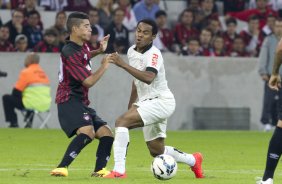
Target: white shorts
(154,113)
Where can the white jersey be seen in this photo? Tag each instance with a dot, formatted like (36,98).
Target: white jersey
(152,58)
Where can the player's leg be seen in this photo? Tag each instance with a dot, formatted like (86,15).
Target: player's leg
(155,134)
(103,153)
(129,120)
(274,152)
(74,119)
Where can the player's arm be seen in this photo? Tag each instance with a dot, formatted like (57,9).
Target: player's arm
(133,96)
(275,80)
(94,77)
(81,74)
(102,48)
(145,76)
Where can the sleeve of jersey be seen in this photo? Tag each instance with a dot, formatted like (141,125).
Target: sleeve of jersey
(75,67)
(22,81)
(154,62)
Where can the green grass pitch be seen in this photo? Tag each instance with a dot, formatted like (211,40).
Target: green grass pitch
(230,157)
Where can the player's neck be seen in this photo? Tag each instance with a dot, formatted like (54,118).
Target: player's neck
(76,40)
(142,49)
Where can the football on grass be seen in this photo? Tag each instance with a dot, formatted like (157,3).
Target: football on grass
(164,167)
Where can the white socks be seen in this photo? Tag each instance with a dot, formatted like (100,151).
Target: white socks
(120,147)
(180,156)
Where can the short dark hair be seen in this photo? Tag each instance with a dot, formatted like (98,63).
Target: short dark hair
(94,30)
(160,13)
(92,9)
(151,23)
(231,20)
(75,19)
(253,17)
(33,12)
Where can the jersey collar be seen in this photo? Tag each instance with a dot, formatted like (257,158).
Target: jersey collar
(145,49)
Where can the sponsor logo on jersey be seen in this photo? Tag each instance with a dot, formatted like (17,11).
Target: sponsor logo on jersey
(155,60)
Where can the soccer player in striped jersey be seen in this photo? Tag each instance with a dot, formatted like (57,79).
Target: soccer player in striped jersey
(75,78)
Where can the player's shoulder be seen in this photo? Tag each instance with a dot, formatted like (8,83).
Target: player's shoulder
(153,51)
(131,49)
(69,49)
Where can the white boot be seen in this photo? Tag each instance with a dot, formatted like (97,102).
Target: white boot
(269,181)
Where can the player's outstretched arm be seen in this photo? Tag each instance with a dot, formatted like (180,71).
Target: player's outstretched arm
(275,80)
(102,48)
(94,77)
(144,76)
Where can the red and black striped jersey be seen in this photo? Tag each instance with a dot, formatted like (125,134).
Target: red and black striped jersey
(75,67)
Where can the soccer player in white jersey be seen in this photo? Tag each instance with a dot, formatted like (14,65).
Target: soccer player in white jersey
(151,103)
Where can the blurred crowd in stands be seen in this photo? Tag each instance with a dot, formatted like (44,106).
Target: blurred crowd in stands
(197,32)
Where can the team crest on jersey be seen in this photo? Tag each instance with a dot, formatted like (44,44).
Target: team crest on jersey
(85,57)
(86,116)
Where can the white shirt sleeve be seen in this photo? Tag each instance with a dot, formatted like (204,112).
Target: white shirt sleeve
(153,59)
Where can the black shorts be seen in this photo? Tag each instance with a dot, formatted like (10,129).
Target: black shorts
(73,115)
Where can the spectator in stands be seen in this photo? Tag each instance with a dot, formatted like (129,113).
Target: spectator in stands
(206,13)
(145,9)
(269,26)
(60,22)
(25,95)
(252,36)
(5,4)
(1,22)
(276,6)
(184,29)
(49,43)
(119,33)
(215,26)
(93,14)
(193,48)
(129,20)
(5,44)
(78,5)
(218,48)
(230,34)
(15,4)
(21,43)
(193,5)
(164,39)
(16,24)
(105,8)
(205,41)
(269,115)
(238,48)
(234,6)
(94,42)
(54,5)
(30,6)
(31,30)
(262,11)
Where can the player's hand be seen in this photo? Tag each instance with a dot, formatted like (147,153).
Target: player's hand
(104,43)
(275,82)
(116,59)
(106,61)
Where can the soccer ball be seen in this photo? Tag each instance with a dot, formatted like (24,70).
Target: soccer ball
(164,167)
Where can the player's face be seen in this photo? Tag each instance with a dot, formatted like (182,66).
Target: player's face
(143,35)
(83,31)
